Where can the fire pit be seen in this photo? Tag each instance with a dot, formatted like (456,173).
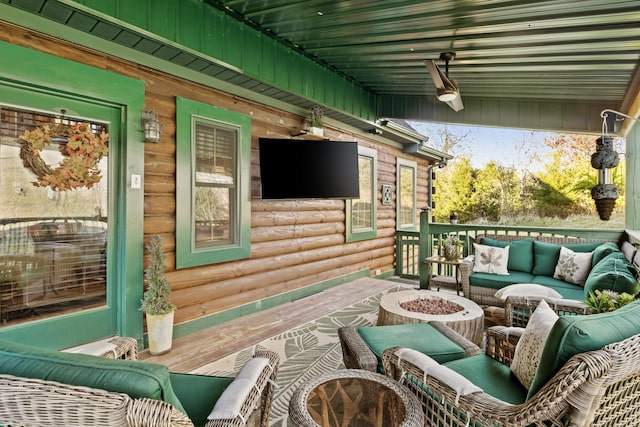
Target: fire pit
(468,321)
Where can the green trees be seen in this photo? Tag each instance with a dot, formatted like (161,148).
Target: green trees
(557,184)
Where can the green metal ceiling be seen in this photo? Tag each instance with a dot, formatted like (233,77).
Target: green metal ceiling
(572,52)
(530,64)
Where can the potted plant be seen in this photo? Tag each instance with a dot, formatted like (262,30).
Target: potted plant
(453,218)
(607,300)
(451,247)
(158,310)
(315,121)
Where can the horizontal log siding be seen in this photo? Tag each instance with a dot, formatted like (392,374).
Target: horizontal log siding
(293,243)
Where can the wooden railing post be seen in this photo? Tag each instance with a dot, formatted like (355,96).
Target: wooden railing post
(424,249)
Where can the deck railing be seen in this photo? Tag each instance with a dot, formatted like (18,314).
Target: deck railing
(412,247)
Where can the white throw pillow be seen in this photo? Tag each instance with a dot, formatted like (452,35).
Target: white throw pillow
(490,259)
(526,290)
(573,267)
(530,346)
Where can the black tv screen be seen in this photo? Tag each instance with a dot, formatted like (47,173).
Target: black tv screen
(303,169)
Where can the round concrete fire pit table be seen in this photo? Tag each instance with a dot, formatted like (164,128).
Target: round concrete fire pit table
(469,322)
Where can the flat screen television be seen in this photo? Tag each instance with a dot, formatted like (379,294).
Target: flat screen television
(304,169)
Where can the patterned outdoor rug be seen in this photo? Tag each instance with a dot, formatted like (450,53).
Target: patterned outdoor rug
(306,351)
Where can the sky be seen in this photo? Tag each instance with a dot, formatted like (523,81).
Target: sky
(483,144)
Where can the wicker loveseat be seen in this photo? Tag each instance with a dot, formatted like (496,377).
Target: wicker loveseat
(51,388)
(588,375)
(533,260)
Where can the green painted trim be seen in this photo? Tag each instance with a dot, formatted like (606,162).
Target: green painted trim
(58,76)
(187,111)
(632,183)
(400,163)
(199,324)
(184,26)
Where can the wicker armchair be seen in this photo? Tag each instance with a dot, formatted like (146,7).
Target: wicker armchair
(597,388)
(28,401)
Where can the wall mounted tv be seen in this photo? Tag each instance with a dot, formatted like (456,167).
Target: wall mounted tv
(303,169)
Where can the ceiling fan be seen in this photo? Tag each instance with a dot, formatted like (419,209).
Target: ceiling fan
(446,88)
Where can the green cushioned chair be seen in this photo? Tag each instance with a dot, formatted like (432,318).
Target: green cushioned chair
(362,348)
(588,375)
(47,387)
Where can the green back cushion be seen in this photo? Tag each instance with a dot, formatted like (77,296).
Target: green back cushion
(493,377)
(199,394)
(421,337)
(572,335)
(520,253)
(614,272)
(602,251)
(546,255)
(136,379)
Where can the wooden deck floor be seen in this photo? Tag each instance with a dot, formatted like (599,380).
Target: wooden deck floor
(198,349)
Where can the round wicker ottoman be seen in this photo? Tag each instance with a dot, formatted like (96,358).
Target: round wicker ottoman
(354,397)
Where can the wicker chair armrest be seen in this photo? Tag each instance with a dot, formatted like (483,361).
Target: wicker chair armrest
(518,309)
(29,401)
(501,343)
(356,354)
(465,268)
(469,348)
(570,391)
(256,408)
(150,412)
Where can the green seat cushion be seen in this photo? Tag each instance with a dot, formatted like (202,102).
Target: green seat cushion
(573,335)
(546,255)
(614,272)
(421,337)
(520,253)
(198,394)
(497,281)
(491,376)
(134,378)
(602,251)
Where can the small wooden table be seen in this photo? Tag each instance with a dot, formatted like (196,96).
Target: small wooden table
(469,322)
(441,280)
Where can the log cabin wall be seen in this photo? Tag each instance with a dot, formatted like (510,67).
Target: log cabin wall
(293,243)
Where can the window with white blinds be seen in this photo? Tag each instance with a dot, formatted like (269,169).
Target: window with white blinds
(215,184)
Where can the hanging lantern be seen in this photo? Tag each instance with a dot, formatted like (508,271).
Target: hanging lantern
(605,192)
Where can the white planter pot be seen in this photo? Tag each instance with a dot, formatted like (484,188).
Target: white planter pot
(316,131)
(160,333)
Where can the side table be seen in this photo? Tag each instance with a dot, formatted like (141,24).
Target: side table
(444,280)
(354,397)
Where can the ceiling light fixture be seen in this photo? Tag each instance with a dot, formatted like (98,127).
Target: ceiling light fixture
(447,94)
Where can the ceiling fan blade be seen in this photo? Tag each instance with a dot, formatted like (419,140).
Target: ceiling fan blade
(443,82)
(436,74)
(456,104)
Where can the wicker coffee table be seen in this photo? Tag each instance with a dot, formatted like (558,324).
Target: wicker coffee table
(354,397)
(469,322)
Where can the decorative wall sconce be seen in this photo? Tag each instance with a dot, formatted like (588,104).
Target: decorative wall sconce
(152,128)
(605,192)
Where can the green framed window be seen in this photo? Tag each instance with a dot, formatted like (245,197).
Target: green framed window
(406,213)
(361,213)
(213,184)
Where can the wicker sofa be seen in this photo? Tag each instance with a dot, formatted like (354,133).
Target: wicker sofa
(588,375)
(533,260)
(47,387)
